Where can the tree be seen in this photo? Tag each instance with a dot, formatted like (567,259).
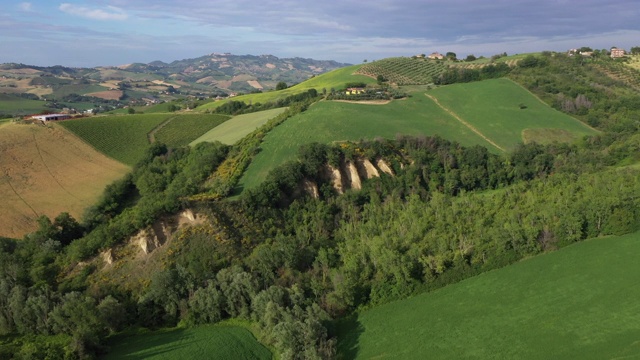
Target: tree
(451,55)
(635,50)
(470,57)
(281,85)
(381,79)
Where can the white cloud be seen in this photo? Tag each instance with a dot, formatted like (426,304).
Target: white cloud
(108,13)
(26,6)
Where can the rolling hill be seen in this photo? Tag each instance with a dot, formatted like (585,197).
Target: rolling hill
(490,115)
(109,87)
(46,171)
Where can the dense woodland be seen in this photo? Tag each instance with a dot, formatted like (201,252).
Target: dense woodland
(292,264)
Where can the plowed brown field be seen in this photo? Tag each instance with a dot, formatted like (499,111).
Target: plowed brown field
(46,170)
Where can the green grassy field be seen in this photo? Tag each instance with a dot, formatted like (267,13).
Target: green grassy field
(576,303)
(203,342)
(488,113)
(493,108)
(10,104)
(329,121)
(238,127)
(184,128)
(123,137)
(79,89)
(333,79)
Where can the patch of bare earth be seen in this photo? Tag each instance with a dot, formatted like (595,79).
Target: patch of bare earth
(254,84)
(107,95)
(45,170)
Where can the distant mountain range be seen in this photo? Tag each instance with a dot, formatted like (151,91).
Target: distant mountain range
(209,75)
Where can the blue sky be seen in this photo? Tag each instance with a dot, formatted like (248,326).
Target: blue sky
(114,32)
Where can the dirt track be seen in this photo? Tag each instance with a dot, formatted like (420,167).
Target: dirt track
(45,170)
(471,127)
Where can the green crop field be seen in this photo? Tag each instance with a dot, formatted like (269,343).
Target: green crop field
(10,104)
(493,107)
(123,137)
(576,303)
(487,113)
(334,79)
(238,127)
(329,121)
(78,89)
(203,342)
(183,129)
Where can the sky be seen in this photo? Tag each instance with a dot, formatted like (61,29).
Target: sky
(114,32)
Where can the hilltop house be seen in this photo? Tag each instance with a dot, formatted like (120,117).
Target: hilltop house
(436,56)
(51,117)
(617,53)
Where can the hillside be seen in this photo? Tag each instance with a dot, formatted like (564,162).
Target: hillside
(46,171)
(557,305)
(107,88)
(333,80)
(490,116)
(342,205)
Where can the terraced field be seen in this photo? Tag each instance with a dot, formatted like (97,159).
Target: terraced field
(203,342)
(45,171)
(560,305)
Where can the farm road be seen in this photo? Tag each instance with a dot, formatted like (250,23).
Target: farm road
(463,122)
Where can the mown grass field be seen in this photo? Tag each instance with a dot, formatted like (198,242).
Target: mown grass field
(329,121)
(183,129)
(46,171)
(580,302)
(238,127)
(334,79)
(493,107)
(123,137)
(204,342)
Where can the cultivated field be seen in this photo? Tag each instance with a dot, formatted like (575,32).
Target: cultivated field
(46,171)
(334,79)
(203,342)
(576,303)
(238,127)
(12,104)
(180,130)
(123,137)
(503,111)
(329,121)
(404,71)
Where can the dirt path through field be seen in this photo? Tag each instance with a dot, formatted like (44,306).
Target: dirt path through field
(152,134)
(461,120)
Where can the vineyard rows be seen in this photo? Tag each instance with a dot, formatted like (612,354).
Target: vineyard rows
(623,73)
(183,129)
(404,71)
(123,138)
